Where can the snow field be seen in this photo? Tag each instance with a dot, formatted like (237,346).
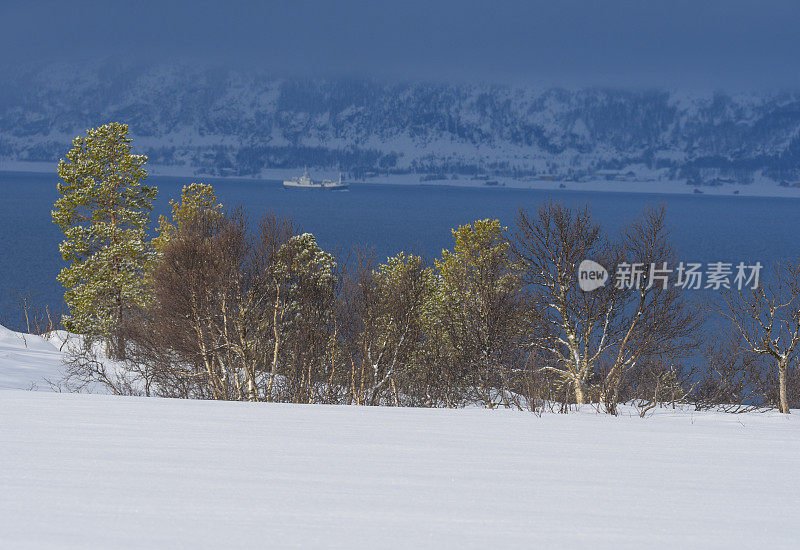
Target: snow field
(81,471)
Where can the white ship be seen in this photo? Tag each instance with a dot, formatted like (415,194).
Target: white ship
(305,182)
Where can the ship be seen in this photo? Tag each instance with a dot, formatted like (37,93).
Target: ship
(305,182)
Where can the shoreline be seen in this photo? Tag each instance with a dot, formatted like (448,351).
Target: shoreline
(663,187)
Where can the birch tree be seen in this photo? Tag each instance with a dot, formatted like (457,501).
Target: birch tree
(193,333)
(651,317)
(574,328)
(618,325)
(390,307)
(305,281)
(767,319)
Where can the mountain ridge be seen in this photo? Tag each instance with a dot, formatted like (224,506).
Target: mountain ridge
(236,123)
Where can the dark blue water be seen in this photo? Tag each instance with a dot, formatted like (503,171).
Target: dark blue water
(391,218)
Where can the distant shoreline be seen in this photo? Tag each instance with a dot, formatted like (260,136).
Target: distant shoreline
(762,189)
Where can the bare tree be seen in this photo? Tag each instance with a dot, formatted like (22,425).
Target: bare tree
(734,378)
(621,323)
(653,320)
(767,319)
(575,327)
(274,232)
(193,336)
(238,316)
(38,320)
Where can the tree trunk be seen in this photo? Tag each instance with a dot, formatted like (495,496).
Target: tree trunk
(782,368)
(580,391)
(276,332)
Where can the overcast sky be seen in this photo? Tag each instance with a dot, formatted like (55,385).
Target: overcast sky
(676,43)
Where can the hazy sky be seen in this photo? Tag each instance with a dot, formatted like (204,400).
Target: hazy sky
(696,43)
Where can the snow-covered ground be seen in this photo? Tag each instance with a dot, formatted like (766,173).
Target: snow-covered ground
(28,361)
(90,471)
(31,362)
(97,471)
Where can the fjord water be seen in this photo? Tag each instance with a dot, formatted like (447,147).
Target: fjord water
(391,218)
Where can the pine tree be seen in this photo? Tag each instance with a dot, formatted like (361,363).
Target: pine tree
(103,212)
(197,199)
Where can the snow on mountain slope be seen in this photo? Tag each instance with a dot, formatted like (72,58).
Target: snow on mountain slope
(88,471)
(193,120)
(31,362)
(26,360)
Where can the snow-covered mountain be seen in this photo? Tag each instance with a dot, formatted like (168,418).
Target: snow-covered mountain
(226,122)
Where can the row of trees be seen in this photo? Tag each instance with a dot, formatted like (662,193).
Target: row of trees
(211,309)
